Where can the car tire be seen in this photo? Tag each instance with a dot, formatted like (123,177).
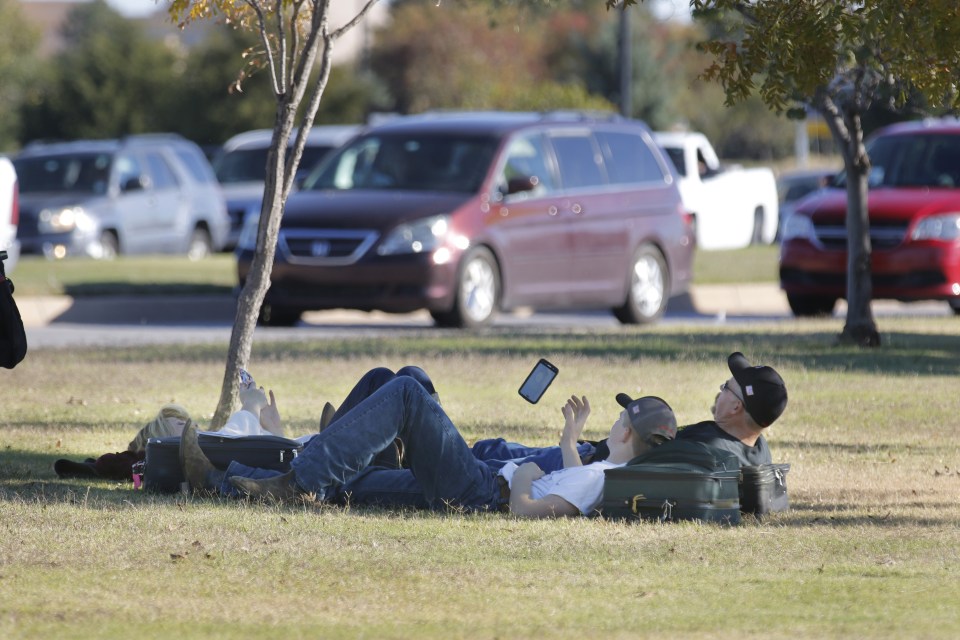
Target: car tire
(757,236)
(201,245)
(955,306)
(109,245)
(808,306)
(648,288)
(276,316)
(478,292)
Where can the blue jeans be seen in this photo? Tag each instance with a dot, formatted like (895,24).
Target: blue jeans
(376,378)
(335,462)
(497,452)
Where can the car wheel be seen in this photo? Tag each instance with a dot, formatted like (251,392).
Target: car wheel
(478,291)
(201,246)
(805,306)
(757,236)
(109,245)
(648,288)
(955,305)
(275,316)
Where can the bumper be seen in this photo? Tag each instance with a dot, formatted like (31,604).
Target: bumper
(398,284)
(917,271)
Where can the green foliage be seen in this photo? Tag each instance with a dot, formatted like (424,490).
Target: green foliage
(18,62)
(109,81)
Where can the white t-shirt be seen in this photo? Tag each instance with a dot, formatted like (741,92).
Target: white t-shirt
(243,423)
(580,486)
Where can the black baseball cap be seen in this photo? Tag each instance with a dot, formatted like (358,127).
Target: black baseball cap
(649,416)
(764,393)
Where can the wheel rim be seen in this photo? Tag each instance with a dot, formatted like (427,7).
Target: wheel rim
(478,290)
(647,289)
(198,247)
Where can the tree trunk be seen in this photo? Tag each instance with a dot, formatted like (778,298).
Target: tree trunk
(290,78)
(860,327)
(258,279)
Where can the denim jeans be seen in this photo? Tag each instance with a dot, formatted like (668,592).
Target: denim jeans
(496,452)
(335,462)
(376,378)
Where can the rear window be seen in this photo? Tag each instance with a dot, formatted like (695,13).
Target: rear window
(410,162)
(628,158)
(67,173)
(196,164)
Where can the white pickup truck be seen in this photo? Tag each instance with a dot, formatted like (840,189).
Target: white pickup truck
(9,213)
(732,207)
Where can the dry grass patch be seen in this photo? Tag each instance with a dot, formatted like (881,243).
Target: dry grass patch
(869,548)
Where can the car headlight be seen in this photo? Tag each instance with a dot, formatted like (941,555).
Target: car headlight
(942,227)
(64,220)
(248,233)
(797,226)
(419,236)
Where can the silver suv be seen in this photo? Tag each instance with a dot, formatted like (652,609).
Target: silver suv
(100,198)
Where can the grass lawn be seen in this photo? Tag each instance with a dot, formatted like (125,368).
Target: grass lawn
(869,548)
(172,275)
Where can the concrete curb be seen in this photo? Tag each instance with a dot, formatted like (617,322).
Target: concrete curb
(39,311)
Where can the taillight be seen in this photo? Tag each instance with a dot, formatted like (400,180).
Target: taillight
(15,209)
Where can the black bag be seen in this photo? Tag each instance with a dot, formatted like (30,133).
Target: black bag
(763,489)
(679,480)
(13,337)
(162,472)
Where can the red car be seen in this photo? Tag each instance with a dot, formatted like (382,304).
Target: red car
(914,210)
(467,214)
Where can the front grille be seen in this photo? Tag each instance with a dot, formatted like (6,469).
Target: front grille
(324,246)
(883,235)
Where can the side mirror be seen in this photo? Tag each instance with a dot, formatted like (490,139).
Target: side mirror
(133,183)
(524,183)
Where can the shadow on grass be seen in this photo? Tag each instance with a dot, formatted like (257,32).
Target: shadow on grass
(121,288)
(903,353)
(913,354)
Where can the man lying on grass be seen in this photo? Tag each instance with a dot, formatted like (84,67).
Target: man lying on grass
(749,401)
(335,462)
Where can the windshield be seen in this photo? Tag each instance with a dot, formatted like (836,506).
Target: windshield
(67,173)
(250,165)
(413,162)
(916,160)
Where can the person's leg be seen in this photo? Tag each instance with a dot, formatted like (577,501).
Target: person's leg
(376,378)
(366,385)
(377,486)
(439,458)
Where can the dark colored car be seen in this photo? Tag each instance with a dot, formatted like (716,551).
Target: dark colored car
(914,211)
(465,214)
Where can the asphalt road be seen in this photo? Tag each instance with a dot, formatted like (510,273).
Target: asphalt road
(62,322)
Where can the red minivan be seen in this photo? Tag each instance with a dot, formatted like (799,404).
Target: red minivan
(914,209)
(465,214)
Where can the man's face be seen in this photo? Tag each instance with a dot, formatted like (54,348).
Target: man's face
(729,397)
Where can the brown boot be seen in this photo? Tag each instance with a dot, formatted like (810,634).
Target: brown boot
(196,466)
(326,415)
(278,488)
